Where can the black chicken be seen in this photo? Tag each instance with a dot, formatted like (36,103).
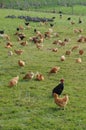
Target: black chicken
(1,31)
(51,25)
(17,29)
(59,88)
(69,18)
(80,21)
(27,23)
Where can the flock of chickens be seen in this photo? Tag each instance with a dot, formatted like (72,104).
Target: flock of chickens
(38,40)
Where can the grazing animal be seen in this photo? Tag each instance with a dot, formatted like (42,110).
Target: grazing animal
(78,60)
(27,23)
(29,75)
(75,48)
(80,21)
(69,18)
(39,77)
(54,69)
(63,58)
(21,63)
(61,102)
(9,45)
(13,81)
(10,53)
(68,52)
(18,52)
(1,31)
(54,49)
(51,25)
(72,22)
(59,88)
(21,36)
(81,51)
(17,29)
(24,43)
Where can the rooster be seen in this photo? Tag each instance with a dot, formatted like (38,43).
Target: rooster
(61,102)
(13,81)
(59,88)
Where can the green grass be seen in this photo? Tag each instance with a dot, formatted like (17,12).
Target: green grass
(29,105)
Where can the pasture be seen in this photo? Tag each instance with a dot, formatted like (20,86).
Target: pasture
(29,105)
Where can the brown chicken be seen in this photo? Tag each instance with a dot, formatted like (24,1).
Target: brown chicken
(39,77)
(81,52)
(78,60)
(24,43)
(8,45)
(54,69)
(13,81)
(29,75)
(18,52)
(21,63)
(61,102)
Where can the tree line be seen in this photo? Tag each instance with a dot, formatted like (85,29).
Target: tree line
(26,4)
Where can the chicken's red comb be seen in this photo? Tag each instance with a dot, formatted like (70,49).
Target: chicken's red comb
(62,80)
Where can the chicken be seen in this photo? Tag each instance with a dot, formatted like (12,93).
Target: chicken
(27,23)
(61,102)
(75,48)
(59,88)
(18,52)
(13,81)
(29,75)
(54,49)
(21,63)
(39,77)
(68,52)
(24,43)
(8,45)
(78,60)
(39,46)
(63,58)
(81,52)
(10,53)
(54,69)
(21,27)
(1,31)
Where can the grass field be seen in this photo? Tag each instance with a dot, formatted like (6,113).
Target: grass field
(30,105)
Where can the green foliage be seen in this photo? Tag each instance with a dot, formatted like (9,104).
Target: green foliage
(28,4)
(30,105)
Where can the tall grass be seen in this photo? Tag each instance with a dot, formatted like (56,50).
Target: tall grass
(30,105)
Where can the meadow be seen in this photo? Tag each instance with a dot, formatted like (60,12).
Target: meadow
(30,105)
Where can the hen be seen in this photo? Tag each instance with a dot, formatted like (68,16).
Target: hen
(62,102)
(59,88)
(39,77)
(29,75)
(54,69)
(18,52)
(13,81)
(21,63)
